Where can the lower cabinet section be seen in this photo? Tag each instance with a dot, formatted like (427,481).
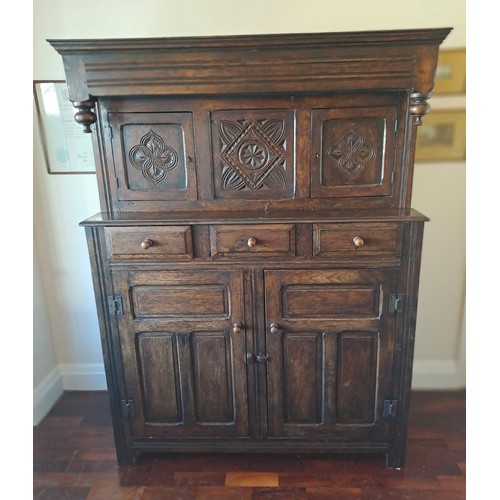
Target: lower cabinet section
(299,358)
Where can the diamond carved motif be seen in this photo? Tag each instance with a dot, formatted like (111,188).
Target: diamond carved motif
(153,157)
(253,154)
(352,152)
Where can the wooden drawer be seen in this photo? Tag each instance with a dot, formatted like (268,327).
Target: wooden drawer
(333,240)
(252,239)
(163,242)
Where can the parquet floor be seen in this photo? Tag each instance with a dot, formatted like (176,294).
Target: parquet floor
(74,459)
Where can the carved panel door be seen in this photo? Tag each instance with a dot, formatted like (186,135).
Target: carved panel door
(330,343)
(154,156)
(353,151)
(183,348)
(253,153)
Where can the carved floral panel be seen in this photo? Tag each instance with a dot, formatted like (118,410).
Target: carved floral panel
(353,151)
(153,157)
(253,157)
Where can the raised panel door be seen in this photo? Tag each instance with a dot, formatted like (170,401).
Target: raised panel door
(330,343)
(183,344)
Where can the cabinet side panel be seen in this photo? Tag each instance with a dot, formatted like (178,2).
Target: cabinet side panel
(110,344)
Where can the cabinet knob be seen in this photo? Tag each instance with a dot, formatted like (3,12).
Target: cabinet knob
(251,242)
(358,241)
(237,328)
(274,328)
(147,244)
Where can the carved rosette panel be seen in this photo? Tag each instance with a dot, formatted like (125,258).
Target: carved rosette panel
(253,154)
(351,152)
(153,157)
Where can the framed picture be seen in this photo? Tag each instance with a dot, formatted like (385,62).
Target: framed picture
(450,73)
(66,148)
(441,137)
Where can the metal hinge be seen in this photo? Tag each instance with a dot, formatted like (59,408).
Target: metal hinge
(127,408)
(115,304)
(390,408)
(396,303)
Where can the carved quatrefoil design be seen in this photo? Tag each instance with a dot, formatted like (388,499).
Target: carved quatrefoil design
(153,157)
(253,154)
(352,152)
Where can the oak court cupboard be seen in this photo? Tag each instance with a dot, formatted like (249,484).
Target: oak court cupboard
(256,258)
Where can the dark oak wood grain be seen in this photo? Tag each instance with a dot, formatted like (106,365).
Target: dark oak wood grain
(256,258)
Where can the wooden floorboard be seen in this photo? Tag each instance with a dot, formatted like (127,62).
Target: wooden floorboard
(74,458)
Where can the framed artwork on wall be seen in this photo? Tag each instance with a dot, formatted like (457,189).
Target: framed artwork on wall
(66,149)
(450,73)
(441,137)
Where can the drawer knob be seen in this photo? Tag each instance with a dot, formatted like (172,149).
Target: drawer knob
(274,328)
(236,328)
(146,244)
(358,241)
(251,242)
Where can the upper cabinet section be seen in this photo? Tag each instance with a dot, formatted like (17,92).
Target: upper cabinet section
(310,121)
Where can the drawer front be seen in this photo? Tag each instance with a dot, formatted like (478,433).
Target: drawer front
(170,242)
(252,239)
(333,240)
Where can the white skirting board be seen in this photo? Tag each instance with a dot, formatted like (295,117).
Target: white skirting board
(65,377)
(438,375)
(46,394)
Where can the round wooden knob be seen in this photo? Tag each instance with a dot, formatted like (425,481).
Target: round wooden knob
(237,328)
(358,241)
(146,244)
(251,242)
(274,328)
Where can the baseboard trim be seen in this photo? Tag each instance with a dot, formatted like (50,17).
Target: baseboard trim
(83,377)
(437,375)
(45,395)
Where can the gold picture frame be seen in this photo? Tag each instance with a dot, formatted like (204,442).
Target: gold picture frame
(441,137)
(450,73)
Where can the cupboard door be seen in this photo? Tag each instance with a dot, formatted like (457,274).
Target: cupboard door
(253,153)
(183,346)
(353,151)
(330,344)
(154,156)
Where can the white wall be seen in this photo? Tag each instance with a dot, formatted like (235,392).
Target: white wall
(61,202)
